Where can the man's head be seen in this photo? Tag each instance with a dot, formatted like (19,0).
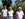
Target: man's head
(4,7)
(10,8)
(19,8)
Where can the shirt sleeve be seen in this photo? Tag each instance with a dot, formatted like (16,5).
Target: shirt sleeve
(8,12)
(22,13)
(13,11)
(16,12)
(2,11)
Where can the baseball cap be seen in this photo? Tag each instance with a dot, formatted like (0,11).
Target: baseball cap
(19,8)
(9,7)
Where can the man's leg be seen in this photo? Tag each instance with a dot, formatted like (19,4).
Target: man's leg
(20,18)
(9,17)
(12,17)
(5,18)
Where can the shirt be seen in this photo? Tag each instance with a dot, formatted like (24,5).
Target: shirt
(4,12)
(11,13)
(20,14)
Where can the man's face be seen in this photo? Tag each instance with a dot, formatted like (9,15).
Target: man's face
(19,9)
(10,9)
(4,7)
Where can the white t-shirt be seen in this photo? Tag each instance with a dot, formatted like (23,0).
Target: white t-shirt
(11,13)
(4,12)
(20,14)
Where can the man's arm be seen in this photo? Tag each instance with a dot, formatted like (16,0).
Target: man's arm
(2,11)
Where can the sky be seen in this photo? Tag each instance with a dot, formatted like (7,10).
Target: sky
(0,2)
(13,2)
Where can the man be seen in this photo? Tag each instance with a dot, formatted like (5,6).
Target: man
(4,12)
(20,13)
(10,12)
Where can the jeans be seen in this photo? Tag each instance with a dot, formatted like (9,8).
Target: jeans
(10,17)
(4,17)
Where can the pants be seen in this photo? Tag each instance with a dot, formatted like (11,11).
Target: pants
(10,17)
(4,17)
(19,18)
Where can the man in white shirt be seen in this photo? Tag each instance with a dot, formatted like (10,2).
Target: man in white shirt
(20,13)
(10,12)
(4,12)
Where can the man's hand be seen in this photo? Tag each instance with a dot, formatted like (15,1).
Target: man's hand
(0,13)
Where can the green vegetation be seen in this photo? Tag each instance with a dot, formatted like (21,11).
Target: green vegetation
(15,6)
(1,7)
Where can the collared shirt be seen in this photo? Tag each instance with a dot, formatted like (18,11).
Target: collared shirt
(11,13)
(4,12)
(20,14)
